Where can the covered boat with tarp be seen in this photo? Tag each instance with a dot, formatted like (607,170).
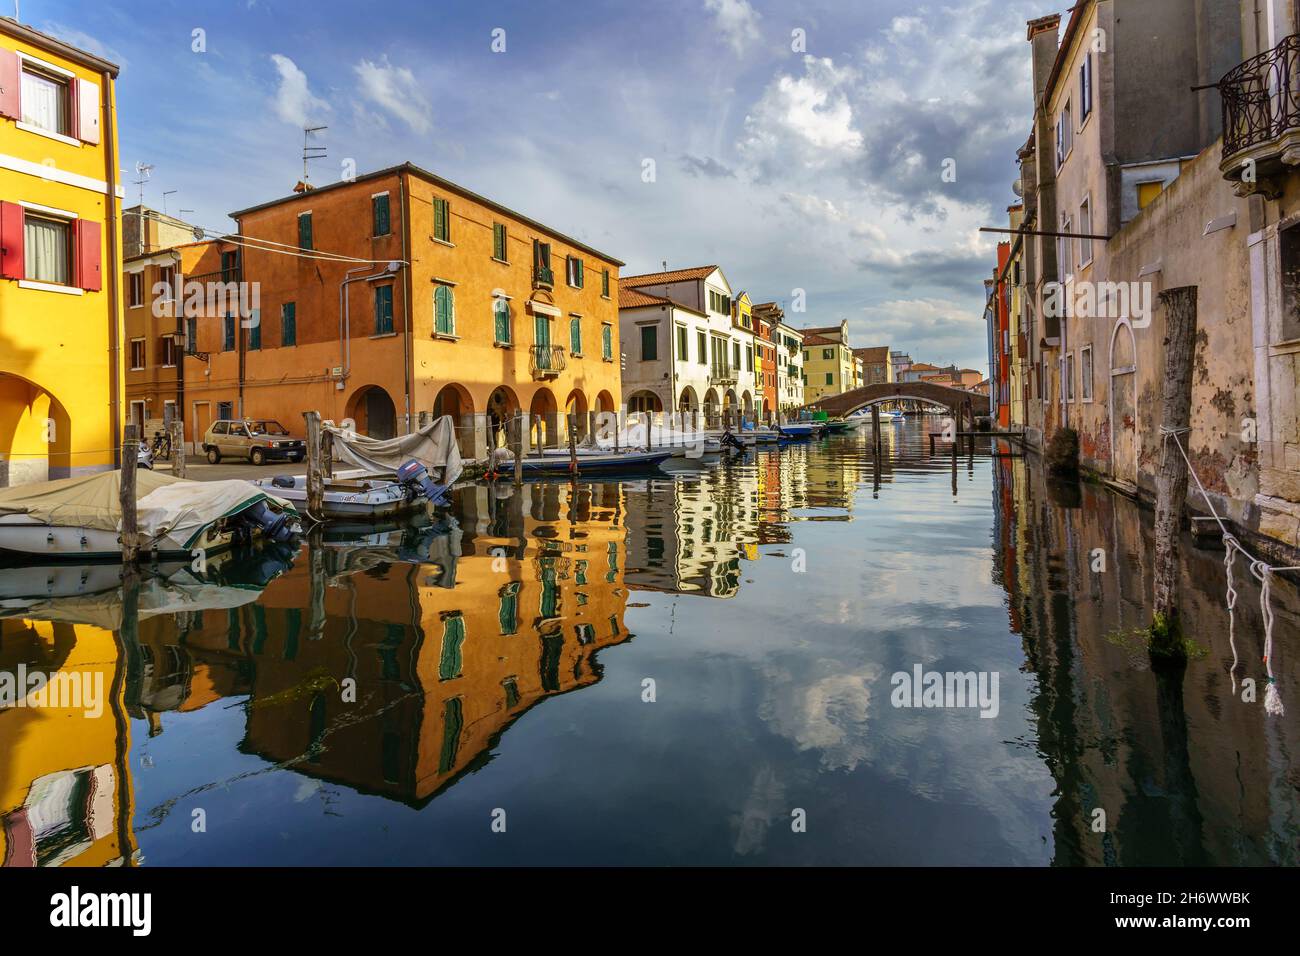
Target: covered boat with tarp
(81,518)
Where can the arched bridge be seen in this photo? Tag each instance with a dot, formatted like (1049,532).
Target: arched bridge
(847,402)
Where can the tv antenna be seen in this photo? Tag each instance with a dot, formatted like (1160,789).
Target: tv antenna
(310,152)
(169,192)
(144,171)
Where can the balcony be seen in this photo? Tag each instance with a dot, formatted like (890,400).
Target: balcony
(722,375)
(1261,119)
(545,361)
(543,278)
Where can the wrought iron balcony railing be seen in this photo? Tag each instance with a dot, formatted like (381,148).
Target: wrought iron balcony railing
(545,361)
(722,375)
(1261,99)
(543,276)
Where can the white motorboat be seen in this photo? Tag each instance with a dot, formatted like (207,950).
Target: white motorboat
(362,496)
(81,518)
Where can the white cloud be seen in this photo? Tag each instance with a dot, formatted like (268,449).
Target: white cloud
(395,90)
(294,102)
(737,21)
(803,120)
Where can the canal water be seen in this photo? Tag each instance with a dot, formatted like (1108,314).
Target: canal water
(692,669)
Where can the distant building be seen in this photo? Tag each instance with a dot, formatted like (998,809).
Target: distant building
(829,367)
(787,344)
(877,369)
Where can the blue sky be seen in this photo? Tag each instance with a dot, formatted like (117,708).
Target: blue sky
(816,168)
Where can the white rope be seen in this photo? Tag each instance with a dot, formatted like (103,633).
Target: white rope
(1260,570)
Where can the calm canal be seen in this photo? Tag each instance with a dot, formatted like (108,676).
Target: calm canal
(694,669)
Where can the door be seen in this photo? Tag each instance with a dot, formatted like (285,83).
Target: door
(1123,404)
(201,422)
(542,339)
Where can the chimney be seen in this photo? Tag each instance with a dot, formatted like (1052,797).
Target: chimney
(1043,39)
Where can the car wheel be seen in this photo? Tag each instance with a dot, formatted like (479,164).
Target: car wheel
(257,456)
(214,456)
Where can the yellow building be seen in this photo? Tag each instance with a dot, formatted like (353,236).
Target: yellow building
(829,365)
(61,386)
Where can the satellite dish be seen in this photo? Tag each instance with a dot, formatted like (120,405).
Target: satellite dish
(199,234)
(1018,187)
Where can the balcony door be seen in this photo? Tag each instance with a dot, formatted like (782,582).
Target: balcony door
(542,340)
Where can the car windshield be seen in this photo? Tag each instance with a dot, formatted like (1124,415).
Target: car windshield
(267,428)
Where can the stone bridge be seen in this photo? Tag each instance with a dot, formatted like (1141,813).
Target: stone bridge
(953,398)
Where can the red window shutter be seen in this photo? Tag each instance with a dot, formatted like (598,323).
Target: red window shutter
(89,275)
(11,240)
(11,80)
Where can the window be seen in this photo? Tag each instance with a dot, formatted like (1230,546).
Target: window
(255,333)
(167,351)
(47,249)
(1069,377)
(830,378)
(225,411)
(501,322)
(1147,192)
(1064,135)
(1063,248)
(289,323)
(508,613)
(167,278)
(499,241)
(542,338)
(1085,228)
(135,293)
(229,266)
(45,100)
(542,262)
(191,336)
(606,342)
(649,343)
(574,271)
(828,354)
(383,309)
(137,354)
(701,342)
(442,220)
(575,335)
(450,661)
(444,311)
(228,333)
(604,283)
(683,344)
(749,358)
(1085,373)
(304,230)
(380,224)
(1085,88)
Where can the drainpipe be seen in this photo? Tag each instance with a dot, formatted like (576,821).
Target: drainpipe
(345,311)
(114,277)
(408,362)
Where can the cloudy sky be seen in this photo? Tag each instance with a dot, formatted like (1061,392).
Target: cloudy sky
(799,145)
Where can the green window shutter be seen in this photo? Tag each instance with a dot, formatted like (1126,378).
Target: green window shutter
(453,722)
(604,283)
(444,311)
(498,241)
(379,209)
(383,309)
(450,661)
(289,324)
(548,604)
(541,330)
(441,220)
(578,272)
(304,231)
(649,343)
(575,336)
(502,312)
(228,333)
(682,352)
(607,342)
(508,613)
(255,336)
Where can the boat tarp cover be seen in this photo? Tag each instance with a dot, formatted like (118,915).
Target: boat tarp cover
(433,446)
(174,508)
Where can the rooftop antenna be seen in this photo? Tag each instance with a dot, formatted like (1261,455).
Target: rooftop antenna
(310,152)
(144,171)
(169,192)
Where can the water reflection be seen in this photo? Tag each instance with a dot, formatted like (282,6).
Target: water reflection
(308,702)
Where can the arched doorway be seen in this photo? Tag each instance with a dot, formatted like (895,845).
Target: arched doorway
(747,403)
(542,415)
(454,400)
(501,407)
(35,432)
(1122,403)
(373,413)
(729,398)
(604,402)
(644,401)
(576,405)
(710,408)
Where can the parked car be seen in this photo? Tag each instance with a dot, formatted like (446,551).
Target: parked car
(255,439)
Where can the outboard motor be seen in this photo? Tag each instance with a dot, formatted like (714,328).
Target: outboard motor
(275,527)
(729,440)
(415,476)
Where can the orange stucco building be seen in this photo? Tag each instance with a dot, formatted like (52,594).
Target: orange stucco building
(398,294)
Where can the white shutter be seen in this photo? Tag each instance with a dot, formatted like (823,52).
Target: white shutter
(88,111)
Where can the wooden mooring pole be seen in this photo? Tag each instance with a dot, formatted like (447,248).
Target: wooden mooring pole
(517,445)
(875,430)
(178,447)
(1171,480)
(573,445)
(315,472)
(126,495)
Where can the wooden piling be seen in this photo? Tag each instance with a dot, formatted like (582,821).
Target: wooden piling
(875,430)
(178,447)
(126,495)
(573,444)
(537,435)
(315,472)
(1171,480)
(517,446)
